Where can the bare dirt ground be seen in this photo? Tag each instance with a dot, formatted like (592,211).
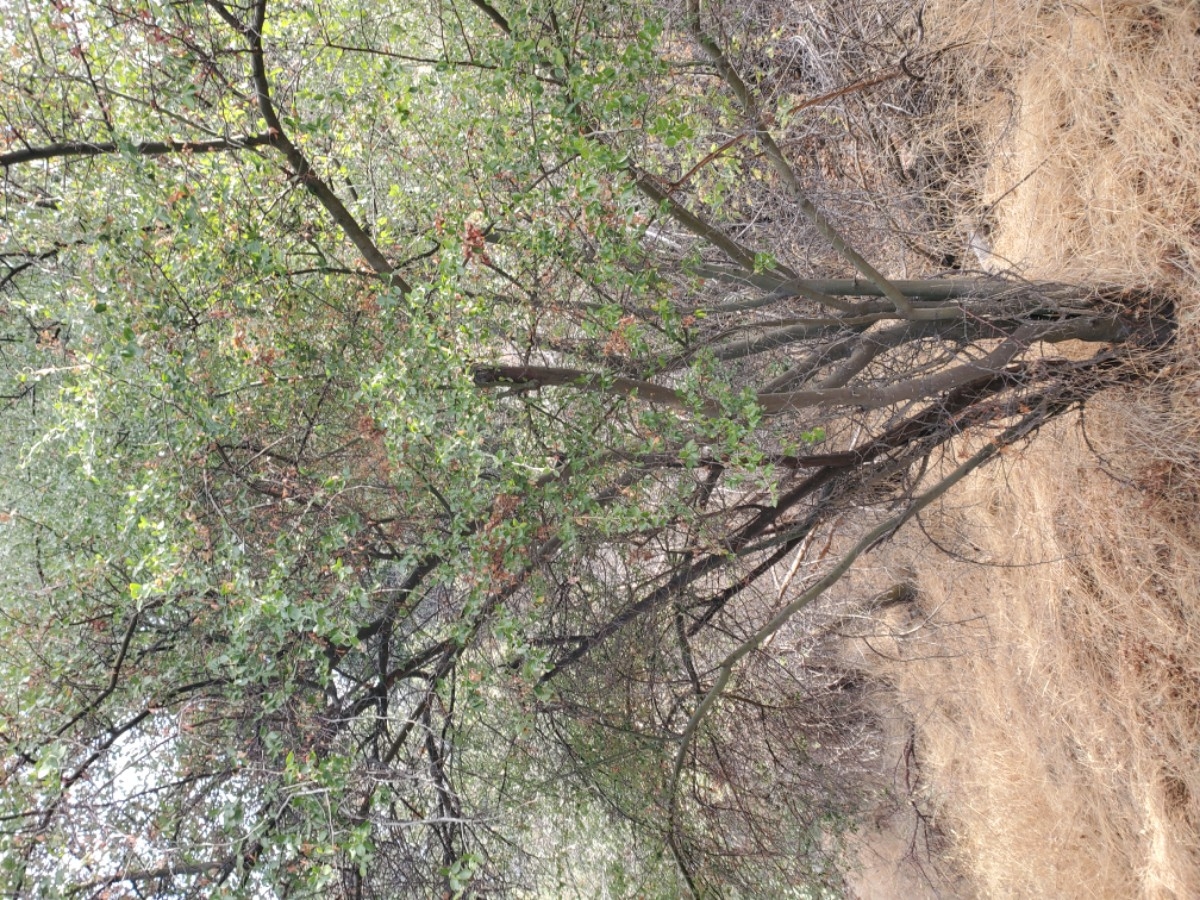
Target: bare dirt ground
(1043,689)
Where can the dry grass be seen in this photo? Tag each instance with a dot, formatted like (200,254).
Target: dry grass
(1052,673)
(1080,123)
(1054,679)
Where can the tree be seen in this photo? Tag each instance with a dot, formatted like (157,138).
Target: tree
(396,442)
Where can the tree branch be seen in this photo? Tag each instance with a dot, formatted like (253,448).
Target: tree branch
(144,148)
(784,169)
(869,540)
(301,168)
(868,396)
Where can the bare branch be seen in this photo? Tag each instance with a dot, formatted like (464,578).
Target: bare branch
(869,540)
(784,169)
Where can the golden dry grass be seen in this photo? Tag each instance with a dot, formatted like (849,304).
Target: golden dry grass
(1052,675)
(1084,117)
(1054,681)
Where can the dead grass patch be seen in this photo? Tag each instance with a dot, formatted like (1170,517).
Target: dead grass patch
(1084,120)
(1055,681)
